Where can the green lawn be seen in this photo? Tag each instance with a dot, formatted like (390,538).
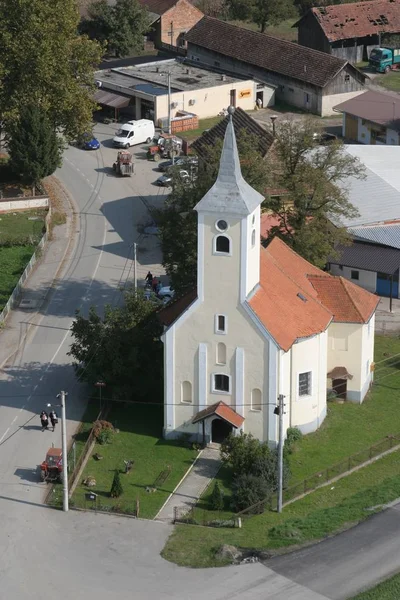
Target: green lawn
(18,238)
(204,124)
(348,428)
(387,590)
(390,81)
(139,440)
(284,30)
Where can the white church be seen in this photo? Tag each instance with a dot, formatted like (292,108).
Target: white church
(262,322)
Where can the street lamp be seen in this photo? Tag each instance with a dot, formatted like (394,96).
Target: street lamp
(62,395)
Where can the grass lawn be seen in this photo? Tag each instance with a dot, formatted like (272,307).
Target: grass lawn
(139,440)
(387,590)
(284,30)
(349,428)
(390,81)
(204,124)
(17,229)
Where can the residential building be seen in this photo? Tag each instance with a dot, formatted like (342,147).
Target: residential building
(305,78)
(371,118)
(349,31)
(141,91)
(262,322)
(170,20)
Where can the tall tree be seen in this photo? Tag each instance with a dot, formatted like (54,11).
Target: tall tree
(123,348)
(309,215)
(33,145)
(120,27)
(44,61)
(261,12)
(177,222)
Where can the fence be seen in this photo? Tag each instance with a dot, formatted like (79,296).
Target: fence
(17,290)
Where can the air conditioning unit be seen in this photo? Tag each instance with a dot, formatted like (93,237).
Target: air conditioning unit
(174,104)
(191,102)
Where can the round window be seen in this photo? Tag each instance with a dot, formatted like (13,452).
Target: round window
(222,225)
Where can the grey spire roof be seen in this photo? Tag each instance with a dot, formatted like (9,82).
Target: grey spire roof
(230,194)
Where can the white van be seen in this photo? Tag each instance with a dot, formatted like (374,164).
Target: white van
(134,132)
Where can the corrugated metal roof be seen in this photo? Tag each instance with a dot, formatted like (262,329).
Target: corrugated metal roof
(368,257)
(386,235)
(377,197)
(345,21)
(109,99)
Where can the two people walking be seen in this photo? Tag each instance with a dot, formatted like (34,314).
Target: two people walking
(44,419)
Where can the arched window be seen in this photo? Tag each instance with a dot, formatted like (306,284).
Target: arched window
(186,392)
(221,353)
(223,244)
(253,238)
(256,399)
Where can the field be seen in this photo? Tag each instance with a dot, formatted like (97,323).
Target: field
(390,81)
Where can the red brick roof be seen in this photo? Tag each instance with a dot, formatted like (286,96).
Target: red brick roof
(222,410)
(345,21)
(296,300)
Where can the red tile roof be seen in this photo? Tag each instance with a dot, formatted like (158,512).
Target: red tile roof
(345,21)
(221,410)
(296,300)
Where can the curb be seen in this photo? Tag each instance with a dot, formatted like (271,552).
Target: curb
(71,223)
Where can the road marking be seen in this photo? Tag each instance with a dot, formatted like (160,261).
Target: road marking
(4,435)
(14,419)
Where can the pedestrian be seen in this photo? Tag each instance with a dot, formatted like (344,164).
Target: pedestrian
(44,419)
(53,418)
(155,284)
(259,103)
(149,279)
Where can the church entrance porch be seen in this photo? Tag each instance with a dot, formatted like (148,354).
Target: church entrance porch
(220,430)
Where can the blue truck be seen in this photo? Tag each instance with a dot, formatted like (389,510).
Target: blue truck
(385,58)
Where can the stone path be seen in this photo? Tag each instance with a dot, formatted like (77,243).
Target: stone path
(193,485)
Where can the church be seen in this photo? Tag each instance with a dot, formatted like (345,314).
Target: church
(263,322)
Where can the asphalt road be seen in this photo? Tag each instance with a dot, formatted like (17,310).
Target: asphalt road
(45,553)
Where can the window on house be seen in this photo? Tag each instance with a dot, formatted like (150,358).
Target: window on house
(221,353)
(340,267)
(291,90)
(305,384)
(253,238)
(256,399)
(186,392)
(217,63)
(223,244)
(355,275)
(347,78)
(220,324)
(221,383)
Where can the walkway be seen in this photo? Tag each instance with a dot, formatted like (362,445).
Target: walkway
(193,485)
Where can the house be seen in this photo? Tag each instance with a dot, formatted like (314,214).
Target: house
(170,20)
(306,78)
(242,121)
(371,118)
(349,31)
(141,91)
(262,322)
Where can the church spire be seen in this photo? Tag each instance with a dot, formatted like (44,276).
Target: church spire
(230,193)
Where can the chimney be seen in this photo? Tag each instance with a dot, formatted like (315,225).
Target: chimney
(188,71)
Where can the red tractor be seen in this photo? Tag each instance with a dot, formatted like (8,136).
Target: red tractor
(166,146)
(51,467)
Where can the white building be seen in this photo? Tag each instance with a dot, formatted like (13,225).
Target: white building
(262,322)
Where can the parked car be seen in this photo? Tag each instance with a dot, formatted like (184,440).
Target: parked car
(166,180)
(166,292)
(187,162)
(89,142)
(324,138)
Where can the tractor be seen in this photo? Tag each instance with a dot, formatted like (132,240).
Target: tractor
(165,146)
(51,467)
(123,165)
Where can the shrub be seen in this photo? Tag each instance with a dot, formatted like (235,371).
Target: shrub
(217,498)
(242,451)
(293,435)
(331,395)
(248,490)
(267,468)
(116,488)
(99,426)
(105,437)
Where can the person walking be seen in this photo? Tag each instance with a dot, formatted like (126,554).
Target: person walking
(149,279)
(53,418)
(44,419)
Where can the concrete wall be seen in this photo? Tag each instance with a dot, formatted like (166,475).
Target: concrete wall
(366,280)
(15,204)
(208,102)
(308,412)
(330,101)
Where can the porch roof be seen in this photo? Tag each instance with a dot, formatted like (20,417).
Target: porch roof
(339,373)
(223,411)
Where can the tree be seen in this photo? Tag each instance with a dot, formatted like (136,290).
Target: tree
(217,497)
(123,348)
(33,146)
(304,5)
(309,215)
(261,12)
(116,487)
(249,490)
(242,452)
(177,222)
(121,27)
(46,63)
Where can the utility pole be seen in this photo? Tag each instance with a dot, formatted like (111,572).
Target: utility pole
(64,451)
(281,407)
(134,267)
(169,101)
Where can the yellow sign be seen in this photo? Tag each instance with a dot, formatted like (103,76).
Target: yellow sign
(244,93)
